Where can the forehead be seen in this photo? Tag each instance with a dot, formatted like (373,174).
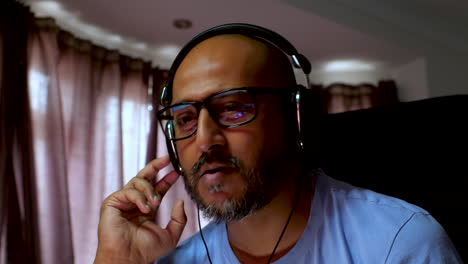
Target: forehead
(229,61)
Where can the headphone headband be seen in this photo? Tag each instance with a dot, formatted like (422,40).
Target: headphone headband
(298,60)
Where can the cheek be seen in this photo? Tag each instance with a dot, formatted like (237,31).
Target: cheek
(246,145)
(272,137)
(186,151)
(259,142)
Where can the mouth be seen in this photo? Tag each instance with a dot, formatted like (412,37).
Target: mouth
(215,173)
(216,170)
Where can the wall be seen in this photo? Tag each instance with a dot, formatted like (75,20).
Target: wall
(349,77)
(411,79)
(447,73)
(436,31)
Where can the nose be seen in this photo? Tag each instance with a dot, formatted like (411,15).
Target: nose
(209,134)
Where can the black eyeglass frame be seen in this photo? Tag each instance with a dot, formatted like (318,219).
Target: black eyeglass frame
(199,104)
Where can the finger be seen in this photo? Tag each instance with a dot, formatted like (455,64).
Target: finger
(145,187)
(176,225)
(150,171)
(163,185)
(128,199)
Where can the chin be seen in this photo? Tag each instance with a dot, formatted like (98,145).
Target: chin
(220,205)
(228,196)
(220,193)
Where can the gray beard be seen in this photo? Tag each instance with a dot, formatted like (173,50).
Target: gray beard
(254,195)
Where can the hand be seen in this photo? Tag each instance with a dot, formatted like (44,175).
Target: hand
(127,231)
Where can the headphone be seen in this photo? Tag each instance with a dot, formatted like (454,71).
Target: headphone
(299,61)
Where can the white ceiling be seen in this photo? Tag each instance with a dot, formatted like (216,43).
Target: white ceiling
(145,28)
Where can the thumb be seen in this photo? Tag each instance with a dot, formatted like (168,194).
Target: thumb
(178,220)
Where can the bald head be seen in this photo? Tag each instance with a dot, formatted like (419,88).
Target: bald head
(245,134)
(230,61)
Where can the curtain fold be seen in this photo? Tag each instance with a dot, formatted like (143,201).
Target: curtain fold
(50,156)
(75,123)
(91,126)
(18,228)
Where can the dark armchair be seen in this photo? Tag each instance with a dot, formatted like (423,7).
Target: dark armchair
(416,151)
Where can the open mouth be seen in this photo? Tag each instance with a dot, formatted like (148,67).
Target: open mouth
(218,169)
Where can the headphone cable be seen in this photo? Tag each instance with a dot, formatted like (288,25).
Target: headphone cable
(296,198)
(203,238)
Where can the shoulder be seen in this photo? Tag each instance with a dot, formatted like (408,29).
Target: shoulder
(192,250)
(362,202)
(422,239)
(390,226)
(359,217)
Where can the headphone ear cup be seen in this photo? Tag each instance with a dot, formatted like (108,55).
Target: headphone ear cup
(164,97)
(171,149)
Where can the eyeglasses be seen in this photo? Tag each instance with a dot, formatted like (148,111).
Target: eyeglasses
(228,108)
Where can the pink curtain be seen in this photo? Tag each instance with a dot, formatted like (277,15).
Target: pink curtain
(17,234)
(91,125)
(77,121)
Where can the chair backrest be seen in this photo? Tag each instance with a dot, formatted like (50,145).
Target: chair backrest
(416,151)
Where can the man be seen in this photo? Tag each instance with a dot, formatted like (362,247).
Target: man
(231,121)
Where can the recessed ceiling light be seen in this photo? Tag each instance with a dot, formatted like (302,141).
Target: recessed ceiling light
(182,23)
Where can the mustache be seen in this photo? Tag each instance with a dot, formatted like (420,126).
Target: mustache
(232,162)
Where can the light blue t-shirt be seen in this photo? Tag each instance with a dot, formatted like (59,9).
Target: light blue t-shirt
(346,225)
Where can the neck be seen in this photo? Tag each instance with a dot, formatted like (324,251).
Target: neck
(255,236)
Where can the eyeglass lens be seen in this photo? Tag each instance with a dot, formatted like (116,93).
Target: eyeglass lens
(228,109)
